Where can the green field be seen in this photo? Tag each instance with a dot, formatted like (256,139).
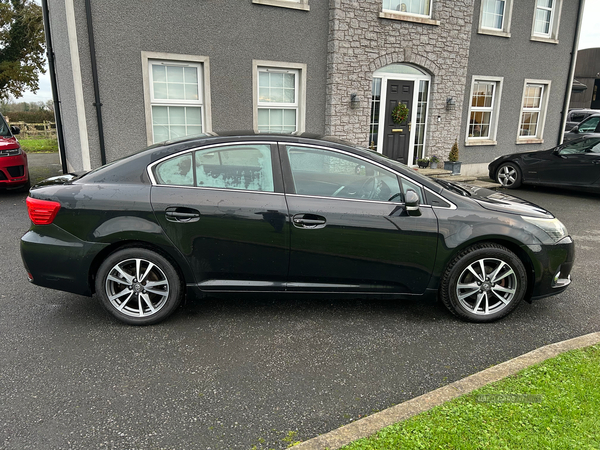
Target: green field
(39,145)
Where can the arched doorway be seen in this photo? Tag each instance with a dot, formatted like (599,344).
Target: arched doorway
(394,84)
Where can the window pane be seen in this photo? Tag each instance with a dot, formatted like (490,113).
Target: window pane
(174,74)
(589,125)
(191,75)
(191,92)
(236,167)
(493,14)
(175,91)
(545,3)
(159,73)
(277,120)
(529,124)
(329,174)
(170,122)
(175,171)
(479,124)
(160,90)
(533,97)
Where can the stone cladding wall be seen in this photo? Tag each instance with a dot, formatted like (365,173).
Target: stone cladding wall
(360,42)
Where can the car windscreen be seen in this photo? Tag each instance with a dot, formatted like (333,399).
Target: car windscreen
(4,129)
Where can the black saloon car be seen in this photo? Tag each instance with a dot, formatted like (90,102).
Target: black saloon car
(573,165)
(275,213)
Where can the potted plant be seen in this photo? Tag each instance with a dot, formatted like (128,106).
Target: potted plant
(434,162)
(423,162)
(453,164)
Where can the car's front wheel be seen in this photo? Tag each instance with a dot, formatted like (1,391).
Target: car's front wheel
(509,175)
(138,286)
(484,283)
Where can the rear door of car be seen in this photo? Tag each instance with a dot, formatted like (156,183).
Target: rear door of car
(350,229)
(223,207)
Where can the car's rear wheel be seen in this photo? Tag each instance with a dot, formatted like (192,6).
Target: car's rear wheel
(484,283)
(509,175)
(138,286)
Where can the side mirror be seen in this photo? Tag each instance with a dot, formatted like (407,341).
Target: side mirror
(575,129)
(412,203)
(15,130)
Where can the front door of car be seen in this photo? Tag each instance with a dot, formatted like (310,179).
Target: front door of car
(396,138)
(575,163)
(350,230)
(223,207)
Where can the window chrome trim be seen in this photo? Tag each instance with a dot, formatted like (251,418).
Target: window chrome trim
(217,189)
(190,150)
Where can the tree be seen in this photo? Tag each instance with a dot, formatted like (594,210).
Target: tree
(22,47)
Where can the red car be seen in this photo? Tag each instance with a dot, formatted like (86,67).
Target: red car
(13,161)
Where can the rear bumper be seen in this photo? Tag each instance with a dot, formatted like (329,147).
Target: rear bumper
(59,260)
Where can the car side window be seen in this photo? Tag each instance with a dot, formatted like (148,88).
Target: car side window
(245,167)
(578,148)
(406,185)
(589,125)
(577,117)
(326,173)
(176,171)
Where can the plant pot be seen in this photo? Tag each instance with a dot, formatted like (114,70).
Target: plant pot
(423,165)
(453,166)
(433,165)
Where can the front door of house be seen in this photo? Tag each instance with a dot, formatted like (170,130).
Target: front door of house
(396,138)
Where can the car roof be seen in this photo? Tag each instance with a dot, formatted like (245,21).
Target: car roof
(128,167)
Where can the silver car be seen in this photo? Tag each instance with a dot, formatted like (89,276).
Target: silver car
(587,128)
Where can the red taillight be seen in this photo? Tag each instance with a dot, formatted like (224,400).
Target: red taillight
(42,212)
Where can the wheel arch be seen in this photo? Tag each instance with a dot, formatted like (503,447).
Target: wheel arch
(179,265)
(509,244)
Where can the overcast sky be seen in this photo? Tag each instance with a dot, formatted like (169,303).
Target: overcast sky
(590,38)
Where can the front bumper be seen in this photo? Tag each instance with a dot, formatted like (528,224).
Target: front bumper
(552,267)
(13,170)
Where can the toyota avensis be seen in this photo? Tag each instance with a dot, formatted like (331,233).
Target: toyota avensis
(279,213)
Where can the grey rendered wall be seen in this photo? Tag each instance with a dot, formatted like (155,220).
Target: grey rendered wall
(517,58)
(230,32)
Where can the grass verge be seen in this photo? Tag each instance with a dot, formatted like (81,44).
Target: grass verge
(553,405)
(39,145)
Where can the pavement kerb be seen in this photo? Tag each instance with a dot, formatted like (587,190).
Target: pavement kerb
(371,424)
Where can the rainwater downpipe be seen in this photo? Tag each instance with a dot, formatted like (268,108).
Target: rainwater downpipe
(97,102)
(571,72)
(52,70)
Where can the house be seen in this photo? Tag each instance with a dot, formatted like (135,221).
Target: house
(490,74)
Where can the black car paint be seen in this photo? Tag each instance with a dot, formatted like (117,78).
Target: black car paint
(550,168)
(110,208)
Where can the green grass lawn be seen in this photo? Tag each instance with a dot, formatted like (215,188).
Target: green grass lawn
(39,145)
(553,405)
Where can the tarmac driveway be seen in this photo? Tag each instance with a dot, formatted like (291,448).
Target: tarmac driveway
(242,371)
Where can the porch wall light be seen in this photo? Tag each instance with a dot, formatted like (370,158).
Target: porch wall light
(450,104)
(354,101)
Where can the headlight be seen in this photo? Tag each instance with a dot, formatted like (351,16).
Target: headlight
(552,227)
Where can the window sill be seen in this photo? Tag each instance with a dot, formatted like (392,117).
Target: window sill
(303,6)
(477,142)
(546,40)
(530,141)
(491,32)
(408,18)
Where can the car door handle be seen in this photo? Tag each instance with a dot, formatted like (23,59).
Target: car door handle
(182,215)
(310,221)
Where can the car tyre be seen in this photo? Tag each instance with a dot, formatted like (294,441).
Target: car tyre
(509,175)
(138,286)
(484,283)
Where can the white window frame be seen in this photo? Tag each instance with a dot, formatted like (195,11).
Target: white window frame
(409,17)
(506,21)
(494,110)
(300,103)
(204,101)
(292,4)
(552,36)
(542,110)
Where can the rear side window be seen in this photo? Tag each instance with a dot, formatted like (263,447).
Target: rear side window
(245,167)
(589,125)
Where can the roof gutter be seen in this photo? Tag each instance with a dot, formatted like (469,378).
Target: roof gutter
(97,102)
(565,110)
(52,69)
